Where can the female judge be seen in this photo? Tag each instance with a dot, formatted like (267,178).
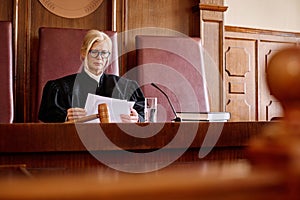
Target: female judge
(64,98)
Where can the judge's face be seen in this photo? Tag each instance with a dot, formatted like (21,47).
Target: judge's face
(97,58)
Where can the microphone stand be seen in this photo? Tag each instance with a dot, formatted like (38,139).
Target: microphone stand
(176,119)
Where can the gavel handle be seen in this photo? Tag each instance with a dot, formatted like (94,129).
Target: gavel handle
(84,119)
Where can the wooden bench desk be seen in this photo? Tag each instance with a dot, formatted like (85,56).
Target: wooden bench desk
(58,147)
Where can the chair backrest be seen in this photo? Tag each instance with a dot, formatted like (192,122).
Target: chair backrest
(6,67)
(175,64)
(59,55)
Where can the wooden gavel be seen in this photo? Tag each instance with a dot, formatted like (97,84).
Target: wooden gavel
(103,115)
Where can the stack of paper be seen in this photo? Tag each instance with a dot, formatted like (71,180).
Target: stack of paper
(116,107)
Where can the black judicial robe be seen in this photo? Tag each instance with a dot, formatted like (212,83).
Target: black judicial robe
(71,91)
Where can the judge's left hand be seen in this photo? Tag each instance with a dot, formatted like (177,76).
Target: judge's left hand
(132,118)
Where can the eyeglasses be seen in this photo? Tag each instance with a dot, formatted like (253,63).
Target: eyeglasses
(95,53)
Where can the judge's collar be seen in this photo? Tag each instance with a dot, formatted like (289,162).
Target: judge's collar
(93,76)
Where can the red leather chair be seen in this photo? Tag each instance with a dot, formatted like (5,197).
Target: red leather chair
(175,65)
(6,62)
(59,55)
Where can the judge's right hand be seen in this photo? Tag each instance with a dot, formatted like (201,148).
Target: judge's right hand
(75,113)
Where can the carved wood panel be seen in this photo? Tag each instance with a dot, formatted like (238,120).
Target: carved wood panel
(240,68)
(246,54)
(269,106)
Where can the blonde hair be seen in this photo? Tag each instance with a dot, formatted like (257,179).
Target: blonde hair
(90,38)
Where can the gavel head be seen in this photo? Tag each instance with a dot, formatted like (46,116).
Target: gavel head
(283,76)
(103,112)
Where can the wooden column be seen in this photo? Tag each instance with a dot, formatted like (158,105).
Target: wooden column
(212,35)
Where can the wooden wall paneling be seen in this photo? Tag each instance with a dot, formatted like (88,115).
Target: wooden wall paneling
(240,85)
(270,42)
(114,8)
(269,106)
(167,16)
(6,10)
(170,14)
(22,21)
(260,44)
(212,35)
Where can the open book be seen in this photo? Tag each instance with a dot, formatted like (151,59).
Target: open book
(116,107)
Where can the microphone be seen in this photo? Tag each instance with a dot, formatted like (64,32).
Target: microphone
(177,119)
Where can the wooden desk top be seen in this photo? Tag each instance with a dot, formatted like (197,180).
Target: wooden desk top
(69,148)
(48,137)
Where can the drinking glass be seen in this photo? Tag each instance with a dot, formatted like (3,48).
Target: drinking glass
(150,109)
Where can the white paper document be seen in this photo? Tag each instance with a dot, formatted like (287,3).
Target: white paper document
(116,107)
